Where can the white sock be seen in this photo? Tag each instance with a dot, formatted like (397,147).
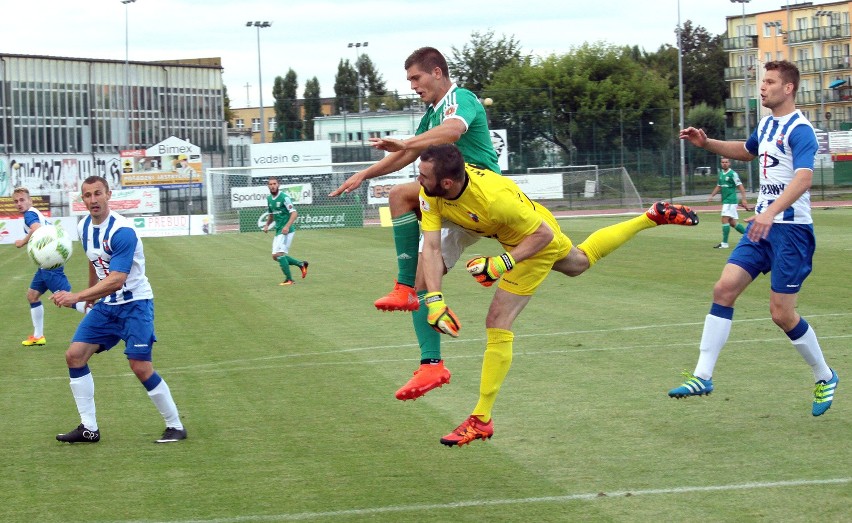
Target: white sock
(809,348)
(162,398)
(83,389)
(37,314)
(716,331)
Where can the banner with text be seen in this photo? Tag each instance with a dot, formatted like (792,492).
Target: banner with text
(124,201)
(171,164)
(310,217)
(181,225)
(255,196)
(295,158)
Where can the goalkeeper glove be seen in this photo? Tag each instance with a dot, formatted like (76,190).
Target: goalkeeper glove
(440,317)
(487,270)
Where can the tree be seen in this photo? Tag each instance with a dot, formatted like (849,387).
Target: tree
(704,62)
(288,124)
(313,106)
(476,63)
(346,86)
(372,83)
(579,101)
(226,103)
(711,119)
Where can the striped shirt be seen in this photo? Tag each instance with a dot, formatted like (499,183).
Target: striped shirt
(783,146)
(114,245)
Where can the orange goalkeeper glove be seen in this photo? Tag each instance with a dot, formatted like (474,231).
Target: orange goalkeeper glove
(440,317)
(487,270)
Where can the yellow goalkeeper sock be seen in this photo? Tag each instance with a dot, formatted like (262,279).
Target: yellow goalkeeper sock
(603,241)
(495,366)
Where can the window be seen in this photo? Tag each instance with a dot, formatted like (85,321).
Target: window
(801,23)
(270,125)
(255,125)
(767,57)
(334,137)
(240,123)
(803,54)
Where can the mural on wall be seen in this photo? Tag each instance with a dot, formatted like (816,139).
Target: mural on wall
(42,174)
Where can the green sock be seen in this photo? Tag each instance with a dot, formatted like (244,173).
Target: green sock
(726,231)
(740,229)
(406,237)
(285,267)
(293,261)
(427,337)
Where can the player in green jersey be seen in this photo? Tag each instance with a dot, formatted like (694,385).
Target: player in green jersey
(282,212)
(729,183)
(455,115)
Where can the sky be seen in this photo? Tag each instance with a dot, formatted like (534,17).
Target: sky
(312,37)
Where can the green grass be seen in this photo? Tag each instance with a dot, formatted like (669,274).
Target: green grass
(287,393)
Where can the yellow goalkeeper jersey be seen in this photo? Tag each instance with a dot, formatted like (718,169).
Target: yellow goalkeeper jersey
(490,205)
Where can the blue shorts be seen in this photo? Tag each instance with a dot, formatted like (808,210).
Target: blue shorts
(133,322)
(52,280)
(787,252)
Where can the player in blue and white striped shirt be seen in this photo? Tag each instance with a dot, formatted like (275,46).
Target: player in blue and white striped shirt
(779,238)
(125,312)
(44,279)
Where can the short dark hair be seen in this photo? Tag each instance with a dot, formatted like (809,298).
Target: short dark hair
(428,58)
(788,71)
(447,159)
(95,179)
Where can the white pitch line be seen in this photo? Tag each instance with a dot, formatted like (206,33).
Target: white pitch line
(245,364)
(418,509)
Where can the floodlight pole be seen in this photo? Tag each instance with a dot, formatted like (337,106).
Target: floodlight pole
(745,87)
(358,45)
(259,26)
(127,69)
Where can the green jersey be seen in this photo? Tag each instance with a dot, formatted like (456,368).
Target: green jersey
(280,208)
(729,181)
(475,144)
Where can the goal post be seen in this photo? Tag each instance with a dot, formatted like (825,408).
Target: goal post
(589,186)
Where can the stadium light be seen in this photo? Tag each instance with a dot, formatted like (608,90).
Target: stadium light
(819,15)
(745,87)
(358,45)
(259,26)
(127,68)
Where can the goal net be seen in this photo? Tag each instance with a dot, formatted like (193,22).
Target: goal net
(590,187)
(236,196)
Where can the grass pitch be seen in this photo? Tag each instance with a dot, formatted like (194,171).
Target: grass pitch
(287,393)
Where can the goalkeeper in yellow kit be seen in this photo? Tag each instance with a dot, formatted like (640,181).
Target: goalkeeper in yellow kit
(491,205)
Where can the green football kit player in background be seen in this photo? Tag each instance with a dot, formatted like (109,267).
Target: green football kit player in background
(454,115)
(729,183)
(282,212)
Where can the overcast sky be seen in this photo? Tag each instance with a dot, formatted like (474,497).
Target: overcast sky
(312,37)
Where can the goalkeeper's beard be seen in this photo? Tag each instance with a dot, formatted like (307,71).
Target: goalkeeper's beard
(435,192)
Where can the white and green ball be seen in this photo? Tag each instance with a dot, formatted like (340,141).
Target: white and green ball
(50,247)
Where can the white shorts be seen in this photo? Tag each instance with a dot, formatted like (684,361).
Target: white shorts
(454,240)
(730,210)
(281,242)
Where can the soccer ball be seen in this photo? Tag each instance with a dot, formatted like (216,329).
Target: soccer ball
(50,247)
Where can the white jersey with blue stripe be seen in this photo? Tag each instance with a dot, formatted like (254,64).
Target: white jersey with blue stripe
(783,146)
(114,245)
(31,216)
